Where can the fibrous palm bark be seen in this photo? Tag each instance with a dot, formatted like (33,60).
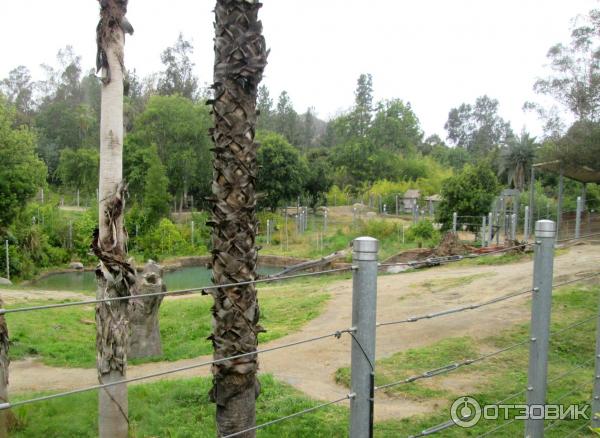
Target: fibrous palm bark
(7,418)
(240,59)
(115,274)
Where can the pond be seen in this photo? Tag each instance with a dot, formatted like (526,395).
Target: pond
(184,278)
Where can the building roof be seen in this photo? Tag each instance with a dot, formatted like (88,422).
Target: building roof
(434,198)
(412,194)
(583,174)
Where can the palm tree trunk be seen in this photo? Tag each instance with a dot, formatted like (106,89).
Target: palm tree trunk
(115,275)
(7,418)
(240,59)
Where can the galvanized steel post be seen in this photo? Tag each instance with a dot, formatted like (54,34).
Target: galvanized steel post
(490,228)
(364,307)
(454,222)
(545,235)
(7,260)
(483,232)
(578,217)
(526,225)
(596,394)
(513,227)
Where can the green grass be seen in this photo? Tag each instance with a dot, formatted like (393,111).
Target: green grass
(179,408)
(497,377)
(66,337)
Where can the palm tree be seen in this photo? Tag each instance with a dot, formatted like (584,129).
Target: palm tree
(516,158)
(115,275)
(240,59)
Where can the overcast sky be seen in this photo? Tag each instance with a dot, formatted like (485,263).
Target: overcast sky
(436,54)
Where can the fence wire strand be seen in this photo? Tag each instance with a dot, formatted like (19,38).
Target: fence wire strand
(173,293)
(287,417)
(450,367)
(8,405)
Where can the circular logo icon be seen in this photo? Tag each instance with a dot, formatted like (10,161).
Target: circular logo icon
(465,412)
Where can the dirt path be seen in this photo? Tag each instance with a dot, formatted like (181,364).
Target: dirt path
(311,367)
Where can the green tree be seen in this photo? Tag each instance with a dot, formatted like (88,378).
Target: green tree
(363,98)
(516,159)
(178,76)
(319,176)
(18,89)
(478,128)
(396,127)
(282,170)
(469,193)
(22,173)
(575,78)
(178,127)
(156,195)
(286,121)
(78,169)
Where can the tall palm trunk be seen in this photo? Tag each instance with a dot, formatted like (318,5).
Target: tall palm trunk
(240,59)
(115,275)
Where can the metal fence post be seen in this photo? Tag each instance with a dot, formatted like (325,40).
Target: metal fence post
(454,221)
(513,227)
(490,229)
(596,394)
(193,226)
(483,232)
(364,307)
(578,218)
(526,225)
(545,235)
(7,260)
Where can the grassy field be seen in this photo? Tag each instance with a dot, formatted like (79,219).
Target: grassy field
(500,376)
(179,409)
(66,337)
(185,410)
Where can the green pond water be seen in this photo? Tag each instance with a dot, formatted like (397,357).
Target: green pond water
(183,278)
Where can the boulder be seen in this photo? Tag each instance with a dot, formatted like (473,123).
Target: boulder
(5,282)
(76,265)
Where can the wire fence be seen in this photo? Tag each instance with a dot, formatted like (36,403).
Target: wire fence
(355,332)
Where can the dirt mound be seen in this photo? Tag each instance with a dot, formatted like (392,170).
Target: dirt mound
(451,245)
(410,256)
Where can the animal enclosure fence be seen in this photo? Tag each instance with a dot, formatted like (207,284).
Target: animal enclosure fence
(364,328)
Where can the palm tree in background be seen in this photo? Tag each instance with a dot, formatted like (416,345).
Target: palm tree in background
(115,275)
(240,59)
(517,158)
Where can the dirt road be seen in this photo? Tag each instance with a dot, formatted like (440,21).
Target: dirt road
(311,367)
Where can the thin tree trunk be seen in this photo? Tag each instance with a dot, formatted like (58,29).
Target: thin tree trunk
(240,59)
(144,340)
(115,275)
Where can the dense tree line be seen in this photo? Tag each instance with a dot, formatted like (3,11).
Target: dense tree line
(55,123)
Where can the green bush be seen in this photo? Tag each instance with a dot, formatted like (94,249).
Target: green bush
(164,240)
(423,231)
(378,229)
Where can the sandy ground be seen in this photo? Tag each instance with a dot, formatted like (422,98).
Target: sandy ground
(311,367)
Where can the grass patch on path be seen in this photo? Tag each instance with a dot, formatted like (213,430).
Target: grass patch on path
(66,337)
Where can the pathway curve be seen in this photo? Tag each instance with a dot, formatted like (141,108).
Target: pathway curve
(311,367)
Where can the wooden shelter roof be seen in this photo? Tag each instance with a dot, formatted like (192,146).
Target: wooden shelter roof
(583,174)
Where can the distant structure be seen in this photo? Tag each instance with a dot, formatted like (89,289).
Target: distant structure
(410,200)
(432,203)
